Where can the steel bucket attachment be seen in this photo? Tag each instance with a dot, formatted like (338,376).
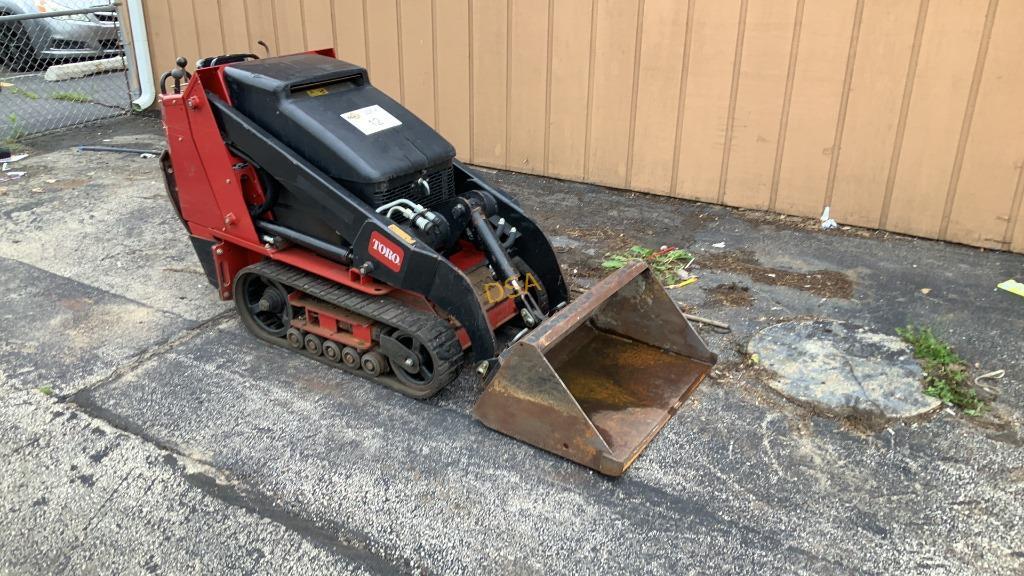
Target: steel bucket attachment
(599,379)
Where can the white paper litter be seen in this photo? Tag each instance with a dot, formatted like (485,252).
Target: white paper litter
(827,223)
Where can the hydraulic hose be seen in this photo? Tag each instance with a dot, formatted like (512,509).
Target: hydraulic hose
(495,250)
(269,194)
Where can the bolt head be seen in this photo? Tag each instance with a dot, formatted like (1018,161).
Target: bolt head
(528,318)
(220,251)
(409,362)
(483,367)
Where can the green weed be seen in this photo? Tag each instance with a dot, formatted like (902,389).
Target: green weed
(47,390)
(72,97)
(946,375)
(22,92)
(665,263)
(16,131)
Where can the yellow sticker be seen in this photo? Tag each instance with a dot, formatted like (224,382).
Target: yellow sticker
(402,234)
(317,92)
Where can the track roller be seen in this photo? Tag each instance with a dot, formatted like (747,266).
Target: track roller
(294,337)
(332,351)
(373,363)
(350,357)
(313,344)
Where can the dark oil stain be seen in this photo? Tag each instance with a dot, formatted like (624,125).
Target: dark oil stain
(87,480)
(824,283)
(731,294)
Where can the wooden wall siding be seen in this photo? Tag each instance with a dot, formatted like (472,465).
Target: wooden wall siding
(899,114)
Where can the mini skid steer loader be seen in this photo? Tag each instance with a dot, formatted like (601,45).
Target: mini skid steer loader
(343,228)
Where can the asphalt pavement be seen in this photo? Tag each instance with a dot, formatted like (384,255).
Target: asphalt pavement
(143,430)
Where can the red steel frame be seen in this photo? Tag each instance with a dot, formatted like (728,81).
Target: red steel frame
(215,188)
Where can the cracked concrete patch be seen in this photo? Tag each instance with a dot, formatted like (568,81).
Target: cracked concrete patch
(63,334)
(118,232)
(843,369)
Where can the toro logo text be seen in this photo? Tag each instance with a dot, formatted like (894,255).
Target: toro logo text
(385,251)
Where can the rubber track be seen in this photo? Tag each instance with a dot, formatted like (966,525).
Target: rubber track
(436,334)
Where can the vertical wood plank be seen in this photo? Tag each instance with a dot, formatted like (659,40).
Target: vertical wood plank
(162,52)
(291,34)
(709,83)
(945,68)
(418,58)
(208,29)
(995,149)
(762,89)
(490,77)
(348,27)
(814,108)
(1017,242)
(318,23)
(260,18)
(570,73)
(183,24)
(883,54)
(235,28)
(382,39)
(528,58)
(451,22)
(612,97)
(657,105)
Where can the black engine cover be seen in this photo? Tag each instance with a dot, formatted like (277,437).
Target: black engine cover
(327,111)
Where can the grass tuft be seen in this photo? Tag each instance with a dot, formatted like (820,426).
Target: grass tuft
(946,374)
(22,92)
(72,97)
(16,132)
(47,390)
(665,262)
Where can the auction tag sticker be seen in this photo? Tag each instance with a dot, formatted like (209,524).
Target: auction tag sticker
(371,119)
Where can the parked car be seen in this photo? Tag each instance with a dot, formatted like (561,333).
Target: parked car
(25,44)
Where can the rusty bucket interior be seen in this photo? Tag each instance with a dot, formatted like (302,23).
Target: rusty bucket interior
(599,379)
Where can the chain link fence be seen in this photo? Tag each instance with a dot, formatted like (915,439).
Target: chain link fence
(61,65)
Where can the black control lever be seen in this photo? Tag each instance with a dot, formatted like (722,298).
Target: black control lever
(179,73)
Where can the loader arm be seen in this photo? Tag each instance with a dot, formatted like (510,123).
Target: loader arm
(533,240)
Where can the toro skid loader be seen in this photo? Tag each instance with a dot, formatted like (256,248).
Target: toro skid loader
(344,229)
